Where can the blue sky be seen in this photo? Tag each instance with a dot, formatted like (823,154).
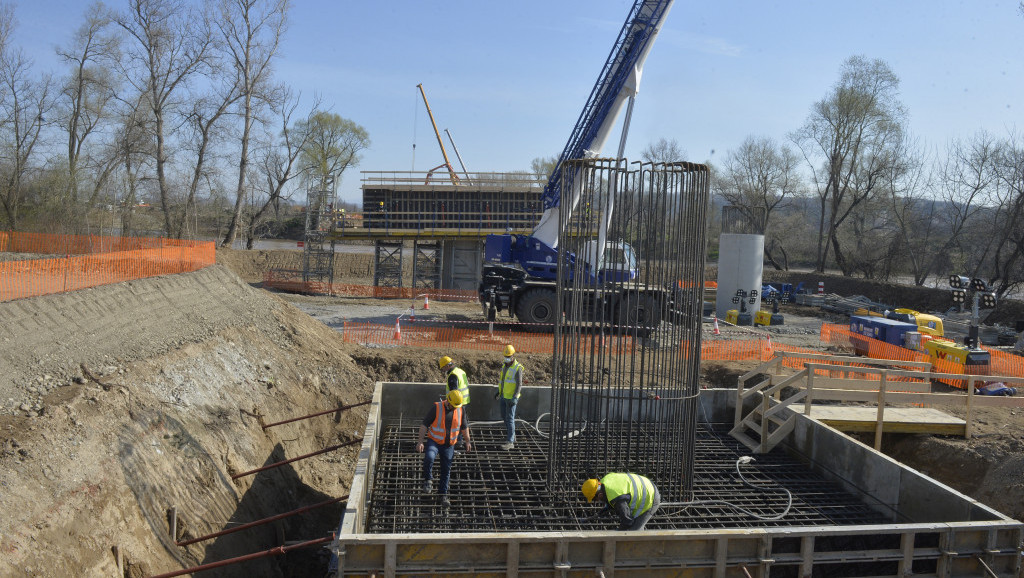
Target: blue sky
(509,79)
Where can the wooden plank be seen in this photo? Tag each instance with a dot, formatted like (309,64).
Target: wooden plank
(897,419)
(871,384)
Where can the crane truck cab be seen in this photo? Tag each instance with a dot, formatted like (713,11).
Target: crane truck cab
(520,276)
(618,261)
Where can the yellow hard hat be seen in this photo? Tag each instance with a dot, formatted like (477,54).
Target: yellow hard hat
(445,360)
(455,397)
(590,488)
(509,350)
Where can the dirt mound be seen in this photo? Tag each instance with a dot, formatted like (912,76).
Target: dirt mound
(251,266)
(150,395)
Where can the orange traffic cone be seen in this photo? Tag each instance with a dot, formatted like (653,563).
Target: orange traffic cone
(771,349)
(717,330)
(412,314)
(426,302)
(398,330)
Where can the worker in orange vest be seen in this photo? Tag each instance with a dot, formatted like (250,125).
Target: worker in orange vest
(441,428)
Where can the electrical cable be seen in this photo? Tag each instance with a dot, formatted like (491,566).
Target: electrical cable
(535,426)
(742,460)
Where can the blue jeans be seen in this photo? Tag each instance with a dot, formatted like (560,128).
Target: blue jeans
(508,415)
(430,451)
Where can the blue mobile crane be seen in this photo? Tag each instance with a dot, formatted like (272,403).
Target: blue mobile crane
(520,271)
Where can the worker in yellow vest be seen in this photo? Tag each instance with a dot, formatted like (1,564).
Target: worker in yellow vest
(510,386)
(632,496)
(455,377)
(441,427)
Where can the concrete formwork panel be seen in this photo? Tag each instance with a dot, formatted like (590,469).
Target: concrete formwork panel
(935,530)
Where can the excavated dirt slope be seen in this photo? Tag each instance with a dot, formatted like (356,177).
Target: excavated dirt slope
(120,402)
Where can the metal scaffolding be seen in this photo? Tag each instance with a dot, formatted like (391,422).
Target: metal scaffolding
(318,248)
(387,264)
(628,413)
(426,264)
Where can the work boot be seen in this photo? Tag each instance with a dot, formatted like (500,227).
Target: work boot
(507,445)
(426,486)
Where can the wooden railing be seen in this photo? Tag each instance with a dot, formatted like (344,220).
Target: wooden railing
(845,379)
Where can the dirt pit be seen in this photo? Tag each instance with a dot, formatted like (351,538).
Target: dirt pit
(121,403)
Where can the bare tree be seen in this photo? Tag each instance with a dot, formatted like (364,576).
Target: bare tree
(966,185)
(251,31)
(852,133)
(278,165)
(170,45)
(133,149)
(202,122)
(1006,226)
(663,151)
(85,102)
(7,22)
(761,174)
(24,101)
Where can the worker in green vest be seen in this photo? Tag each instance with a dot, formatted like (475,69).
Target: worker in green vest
(510,386)
(632,496)
(455,377)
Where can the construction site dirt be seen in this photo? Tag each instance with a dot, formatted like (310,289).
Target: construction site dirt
(129,405)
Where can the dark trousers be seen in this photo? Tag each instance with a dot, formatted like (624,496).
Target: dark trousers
(431,450)
(641,520)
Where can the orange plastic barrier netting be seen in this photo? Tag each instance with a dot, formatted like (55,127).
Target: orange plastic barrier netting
(408,334)
(50,244)
(840,335)
(73,271)
(1002,363)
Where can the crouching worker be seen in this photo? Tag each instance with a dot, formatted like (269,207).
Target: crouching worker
(442,426)
(633,497)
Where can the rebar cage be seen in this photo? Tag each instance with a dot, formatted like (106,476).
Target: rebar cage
(631,265)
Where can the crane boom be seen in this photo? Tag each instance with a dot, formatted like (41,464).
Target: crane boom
(618,82)
(447,164)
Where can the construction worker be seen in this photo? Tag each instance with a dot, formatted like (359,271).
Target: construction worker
(633,497)
(455,377)
(441,427)
(510,385)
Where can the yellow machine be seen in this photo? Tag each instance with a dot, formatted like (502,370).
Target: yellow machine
(927,324)
(946,350)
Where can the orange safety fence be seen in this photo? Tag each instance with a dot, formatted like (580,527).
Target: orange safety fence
(409,334)
(1004,363)
(132,259)
(1001,363)
(51,244)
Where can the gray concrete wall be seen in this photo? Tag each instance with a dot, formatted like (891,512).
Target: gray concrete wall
(413,400)
(890,487)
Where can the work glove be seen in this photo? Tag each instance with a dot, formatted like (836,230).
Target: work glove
(496,395)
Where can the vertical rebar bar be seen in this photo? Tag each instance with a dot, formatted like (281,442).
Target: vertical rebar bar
(631,266)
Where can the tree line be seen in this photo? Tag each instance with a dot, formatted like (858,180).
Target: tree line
(166,119)
(851,190)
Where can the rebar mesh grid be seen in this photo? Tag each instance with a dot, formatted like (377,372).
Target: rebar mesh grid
(631,267)
(497,490)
